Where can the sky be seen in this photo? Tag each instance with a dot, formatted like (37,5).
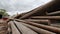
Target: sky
(21,6)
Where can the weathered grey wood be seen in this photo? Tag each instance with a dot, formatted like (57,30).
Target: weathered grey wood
(24,29)
(46,17)
(14,29)
(52,13)
(39,30)
(56,25)
(40,21)
(50,28)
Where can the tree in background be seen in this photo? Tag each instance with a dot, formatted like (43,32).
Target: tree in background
(3,12)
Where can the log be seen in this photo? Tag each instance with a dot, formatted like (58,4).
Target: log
(40,21)
(45,17)
(50,28)
(52,13)
(24,29)
(14,29)
(38,30)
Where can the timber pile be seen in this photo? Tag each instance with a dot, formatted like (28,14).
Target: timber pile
(45,14)
(21,28)
(39,20)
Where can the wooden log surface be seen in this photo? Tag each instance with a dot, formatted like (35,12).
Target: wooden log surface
(14,29)
(24,29)
(46,17)
(40,21)
(50,28)
(38,30)
(52,13)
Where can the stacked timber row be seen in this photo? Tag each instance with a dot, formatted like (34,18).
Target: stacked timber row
(43,20)
(22,28)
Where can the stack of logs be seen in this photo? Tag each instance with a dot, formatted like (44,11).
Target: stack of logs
(36,24)
(40,24)
(39,28)
(40,19)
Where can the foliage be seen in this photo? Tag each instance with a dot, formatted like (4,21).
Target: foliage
(3,12)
